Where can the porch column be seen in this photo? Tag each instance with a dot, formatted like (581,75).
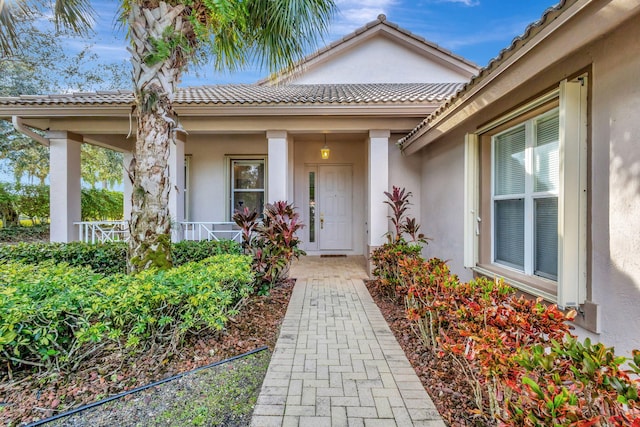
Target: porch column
(64,188)
(127,184)
(176,178)
(278,152)
(378,184)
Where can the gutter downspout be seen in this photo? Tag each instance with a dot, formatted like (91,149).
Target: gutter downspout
(20,127)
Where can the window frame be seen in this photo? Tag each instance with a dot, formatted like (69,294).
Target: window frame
(570,290)
(229,181)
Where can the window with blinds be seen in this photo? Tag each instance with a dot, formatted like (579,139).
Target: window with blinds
(525,170)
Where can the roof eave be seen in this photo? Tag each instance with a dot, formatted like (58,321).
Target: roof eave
(216,110)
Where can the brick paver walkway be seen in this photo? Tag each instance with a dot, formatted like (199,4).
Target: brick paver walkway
(336,362)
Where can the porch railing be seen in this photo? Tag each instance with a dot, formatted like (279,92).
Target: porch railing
(114,231)
(103,231)
(210,231)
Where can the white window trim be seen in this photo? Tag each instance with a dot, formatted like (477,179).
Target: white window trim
(228,161)
(572,195)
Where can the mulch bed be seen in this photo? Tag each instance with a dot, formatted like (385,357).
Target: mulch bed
(442,379)
(28,398)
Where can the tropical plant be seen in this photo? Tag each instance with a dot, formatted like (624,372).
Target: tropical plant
(398,201)
(165,38)
(74,15)
(272,241)
(387,258)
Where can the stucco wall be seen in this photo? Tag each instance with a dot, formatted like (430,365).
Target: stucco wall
(443,201)
(207,171)
(614,177)
(379,60)
(615,184)
(404,172)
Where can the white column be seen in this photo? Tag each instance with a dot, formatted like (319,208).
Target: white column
(278,165)
(378,184)
(127,184)
(176,176)
(64,180)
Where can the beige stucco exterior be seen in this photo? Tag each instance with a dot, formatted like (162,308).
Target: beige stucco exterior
(603,40)
(385,61)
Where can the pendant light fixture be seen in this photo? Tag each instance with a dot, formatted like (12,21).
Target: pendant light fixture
(324,151)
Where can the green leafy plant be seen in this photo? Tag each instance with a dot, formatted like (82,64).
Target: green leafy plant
(574,383)
(53,316)
(272,243)
(8,211)
(101,204)
(33,202)
(109,258)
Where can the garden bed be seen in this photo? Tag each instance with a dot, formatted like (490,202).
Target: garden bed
(222,394)
(28,398)
(445,383)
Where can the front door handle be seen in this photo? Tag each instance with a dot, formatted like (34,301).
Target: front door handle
(321,221)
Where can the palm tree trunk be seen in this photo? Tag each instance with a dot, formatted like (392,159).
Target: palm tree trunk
(155,83)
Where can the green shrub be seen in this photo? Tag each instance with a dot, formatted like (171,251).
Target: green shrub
(101,204)
(109,258)
(33,202)
(104,258)
(189,250)
(20,233)
(8,212)
(54,316)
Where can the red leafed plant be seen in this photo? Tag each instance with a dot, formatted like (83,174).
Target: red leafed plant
(523,365)
(386,258)
(272,242)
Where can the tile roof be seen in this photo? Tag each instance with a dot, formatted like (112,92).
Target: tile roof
(534,28)
(256,95)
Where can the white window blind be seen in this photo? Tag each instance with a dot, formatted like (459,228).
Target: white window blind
(525,175)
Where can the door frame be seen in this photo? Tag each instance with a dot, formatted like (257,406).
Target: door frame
(315,226)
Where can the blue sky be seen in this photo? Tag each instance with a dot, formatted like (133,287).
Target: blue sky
(474,29)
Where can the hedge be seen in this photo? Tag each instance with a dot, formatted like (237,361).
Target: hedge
(54,315)
(521,362)
(109,258)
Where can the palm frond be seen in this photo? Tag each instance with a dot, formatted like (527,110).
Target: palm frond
(11,13)
(74,15)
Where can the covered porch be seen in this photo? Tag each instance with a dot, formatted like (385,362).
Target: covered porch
(339,196)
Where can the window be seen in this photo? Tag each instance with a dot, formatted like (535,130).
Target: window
(525,173)
(247,184)
(525,196)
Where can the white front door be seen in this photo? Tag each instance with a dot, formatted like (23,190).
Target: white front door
(335,231)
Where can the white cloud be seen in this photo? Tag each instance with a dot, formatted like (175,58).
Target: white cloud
(354,14)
